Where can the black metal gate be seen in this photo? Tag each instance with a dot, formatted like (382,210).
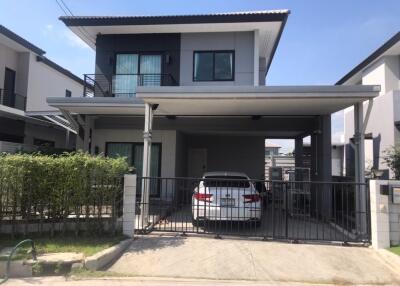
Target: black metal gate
(297,211)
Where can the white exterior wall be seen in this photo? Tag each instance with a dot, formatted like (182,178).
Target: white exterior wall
(386,108)
(17,61)
(241,42)
(167,138)
(44,82)
(384,72)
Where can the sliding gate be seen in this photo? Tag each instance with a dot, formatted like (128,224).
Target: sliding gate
(296,211)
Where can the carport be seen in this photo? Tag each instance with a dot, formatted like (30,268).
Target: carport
(224,119)
(281,112)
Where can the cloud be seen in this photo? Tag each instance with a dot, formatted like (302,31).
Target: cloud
(48,29)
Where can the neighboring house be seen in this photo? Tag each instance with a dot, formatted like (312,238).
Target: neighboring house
(382,68)
(271,148)
(274,159)
(27,78)
(190,91)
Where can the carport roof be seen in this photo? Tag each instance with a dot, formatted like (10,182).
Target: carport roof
(255,100)
(225,101)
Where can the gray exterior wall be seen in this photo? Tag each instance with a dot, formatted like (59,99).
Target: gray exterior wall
(241,42)
(107,46)
(232,153)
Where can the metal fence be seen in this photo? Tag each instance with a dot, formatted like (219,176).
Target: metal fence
(29,205)
(11,99)
(297,211)
(122,85)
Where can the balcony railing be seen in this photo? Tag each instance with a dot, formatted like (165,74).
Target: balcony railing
(12,99)
(122,85)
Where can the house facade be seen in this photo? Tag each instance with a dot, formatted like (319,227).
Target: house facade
(186,94)
(382,68)
(27,78)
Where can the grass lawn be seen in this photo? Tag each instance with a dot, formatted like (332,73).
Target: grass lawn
(68,243)
(395,249)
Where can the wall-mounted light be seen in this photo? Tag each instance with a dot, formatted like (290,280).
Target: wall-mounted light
(167,59)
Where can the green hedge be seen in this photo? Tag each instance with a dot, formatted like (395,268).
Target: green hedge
(71,186)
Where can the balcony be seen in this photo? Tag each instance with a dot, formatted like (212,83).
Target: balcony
(12,99)
(122,85)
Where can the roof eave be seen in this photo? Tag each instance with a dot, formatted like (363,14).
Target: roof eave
(371,58)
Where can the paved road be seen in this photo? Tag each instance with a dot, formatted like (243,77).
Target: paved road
(209,258)
(61,281)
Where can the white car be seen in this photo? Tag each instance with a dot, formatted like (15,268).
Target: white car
(225,196)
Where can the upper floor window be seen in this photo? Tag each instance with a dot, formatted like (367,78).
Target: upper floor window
(68,93)
(132,70)
(213,65)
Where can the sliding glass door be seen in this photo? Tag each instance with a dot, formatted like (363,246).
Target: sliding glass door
(132,70)
(133,152)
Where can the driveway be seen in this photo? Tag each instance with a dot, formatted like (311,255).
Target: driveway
(235,259)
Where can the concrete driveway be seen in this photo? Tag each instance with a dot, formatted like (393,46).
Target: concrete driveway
(235,259)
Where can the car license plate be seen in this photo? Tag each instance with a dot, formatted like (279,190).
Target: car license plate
(227,202)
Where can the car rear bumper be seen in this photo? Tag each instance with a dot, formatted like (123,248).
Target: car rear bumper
(218,213)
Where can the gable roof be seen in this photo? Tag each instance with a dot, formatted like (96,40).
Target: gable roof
(39,53)
(18,39)
(371,58)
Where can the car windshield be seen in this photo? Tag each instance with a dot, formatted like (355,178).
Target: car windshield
(227,181)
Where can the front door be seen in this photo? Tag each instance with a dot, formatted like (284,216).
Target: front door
(197,162)
(9,88)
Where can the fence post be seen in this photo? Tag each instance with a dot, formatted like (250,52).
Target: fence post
(128,216)
(380,232)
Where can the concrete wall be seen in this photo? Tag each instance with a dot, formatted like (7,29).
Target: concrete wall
(385,215)
(232,153)
(44,82)
(241,42)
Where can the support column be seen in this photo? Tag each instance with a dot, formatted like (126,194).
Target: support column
(359,174)
(298,159)
(67,133)
(129,203)
(256,59)
(148,126)
(321,166)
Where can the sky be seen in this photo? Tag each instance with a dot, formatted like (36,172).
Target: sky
(322,40)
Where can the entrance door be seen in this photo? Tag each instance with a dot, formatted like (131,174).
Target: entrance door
(197,162)
(9,86)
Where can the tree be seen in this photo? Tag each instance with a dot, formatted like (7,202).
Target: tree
(392,159)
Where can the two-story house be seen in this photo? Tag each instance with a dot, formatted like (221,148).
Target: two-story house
(27,78)
(184,94)
(382,68)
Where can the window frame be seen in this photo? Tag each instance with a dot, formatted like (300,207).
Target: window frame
(213,75)
(133,144)
(139,53)
(68,93)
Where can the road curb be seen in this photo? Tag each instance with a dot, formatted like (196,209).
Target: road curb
(105,257)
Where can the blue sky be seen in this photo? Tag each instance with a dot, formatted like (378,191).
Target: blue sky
(322,40)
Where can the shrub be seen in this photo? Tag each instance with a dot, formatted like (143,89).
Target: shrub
(392,159)
(57,188)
